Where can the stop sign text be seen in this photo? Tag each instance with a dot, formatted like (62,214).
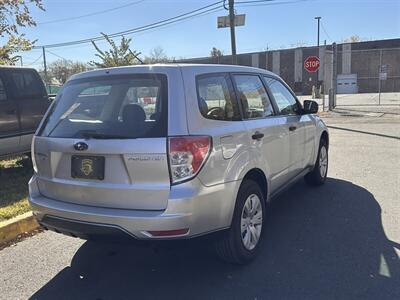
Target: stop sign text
(311,64)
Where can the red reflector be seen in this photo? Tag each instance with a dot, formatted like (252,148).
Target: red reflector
(169,232)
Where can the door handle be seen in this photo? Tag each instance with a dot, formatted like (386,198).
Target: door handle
(257,136)
(292,128)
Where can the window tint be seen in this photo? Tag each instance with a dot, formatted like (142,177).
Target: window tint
(27,83)
(112,106)
(215,98)
(3,95)
(284,99)
(253,96)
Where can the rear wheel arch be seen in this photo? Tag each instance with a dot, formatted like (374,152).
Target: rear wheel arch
(258,176)
(231,247)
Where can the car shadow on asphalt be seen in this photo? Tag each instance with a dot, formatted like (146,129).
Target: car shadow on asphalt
(320,243)
(365,132)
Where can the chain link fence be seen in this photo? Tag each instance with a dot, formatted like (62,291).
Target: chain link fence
(356,77)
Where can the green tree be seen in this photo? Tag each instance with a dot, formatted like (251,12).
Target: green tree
(13,15)
(120,55)
(62,69)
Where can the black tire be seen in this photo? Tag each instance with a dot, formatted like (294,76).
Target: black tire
(231,247)
(314,177)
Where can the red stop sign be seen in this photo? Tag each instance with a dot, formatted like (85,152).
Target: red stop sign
(311,64)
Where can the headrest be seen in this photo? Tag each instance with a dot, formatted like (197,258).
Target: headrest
(133,112)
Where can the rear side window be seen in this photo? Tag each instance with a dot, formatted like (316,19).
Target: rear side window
(3,95)
(216,98)
(284,99)
(133,106)
(27,83)
(253,96)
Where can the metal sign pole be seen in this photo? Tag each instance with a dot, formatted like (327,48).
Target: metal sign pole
(379,76)
(334,74)
(232,28)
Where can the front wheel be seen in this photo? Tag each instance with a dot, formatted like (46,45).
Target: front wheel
(240,244)
(318,175)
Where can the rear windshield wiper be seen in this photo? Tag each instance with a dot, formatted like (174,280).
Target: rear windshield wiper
(96,135)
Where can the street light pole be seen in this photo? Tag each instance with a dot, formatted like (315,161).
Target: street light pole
(232,26)
(318,20)
(20,59)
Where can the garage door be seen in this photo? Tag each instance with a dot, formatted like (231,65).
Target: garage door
(347,84)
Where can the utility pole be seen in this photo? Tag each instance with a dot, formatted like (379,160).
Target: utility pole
(232,26)
(45,66)
(318,20)
(20,59)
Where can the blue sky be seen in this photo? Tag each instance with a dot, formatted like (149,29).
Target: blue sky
(281,23)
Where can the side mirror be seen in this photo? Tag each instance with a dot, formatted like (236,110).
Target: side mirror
(310,107)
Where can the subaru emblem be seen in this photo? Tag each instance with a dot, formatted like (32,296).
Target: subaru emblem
(81,146)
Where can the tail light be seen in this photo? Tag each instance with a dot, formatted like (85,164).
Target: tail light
(187,154)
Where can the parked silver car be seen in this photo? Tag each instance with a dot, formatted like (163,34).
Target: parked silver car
(173,151)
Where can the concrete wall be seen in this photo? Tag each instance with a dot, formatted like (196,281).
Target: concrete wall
(361,58)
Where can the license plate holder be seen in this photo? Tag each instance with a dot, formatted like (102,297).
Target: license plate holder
(87,167)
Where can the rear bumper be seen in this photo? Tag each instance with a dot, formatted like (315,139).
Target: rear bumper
(191,205)
(83,229)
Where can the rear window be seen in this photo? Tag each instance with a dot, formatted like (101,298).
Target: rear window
(3,95)
(27,83)
(129,106)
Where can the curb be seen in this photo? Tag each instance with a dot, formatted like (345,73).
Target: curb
(11,229)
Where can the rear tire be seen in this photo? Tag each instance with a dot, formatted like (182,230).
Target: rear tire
(318,175)
(241,242)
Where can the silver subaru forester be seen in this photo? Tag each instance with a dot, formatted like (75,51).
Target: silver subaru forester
(173,151)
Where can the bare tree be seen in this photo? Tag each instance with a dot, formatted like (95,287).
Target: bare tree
(352,39)
(158,55)
(215,52)
(299,44)
(62,69)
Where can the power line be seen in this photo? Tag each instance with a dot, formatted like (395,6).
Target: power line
(166,21)
(213,7)
(187,15)
(323,28)
(90,14)
(35,61)
(83,45)
(266,2)
(254,1)
(63,58)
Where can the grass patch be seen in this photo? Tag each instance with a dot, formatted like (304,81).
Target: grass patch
(14,176)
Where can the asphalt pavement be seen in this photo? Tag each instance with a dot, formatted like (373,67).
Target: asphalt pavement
(338,241)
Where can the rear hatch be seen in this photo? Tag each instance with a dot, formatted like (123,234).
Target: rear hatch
(104,143)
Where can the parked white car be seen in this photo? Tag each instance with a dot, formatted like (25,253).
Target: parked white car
(173,151)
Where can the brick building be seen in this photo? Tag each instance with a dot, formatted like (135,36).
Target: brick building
(358,65)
